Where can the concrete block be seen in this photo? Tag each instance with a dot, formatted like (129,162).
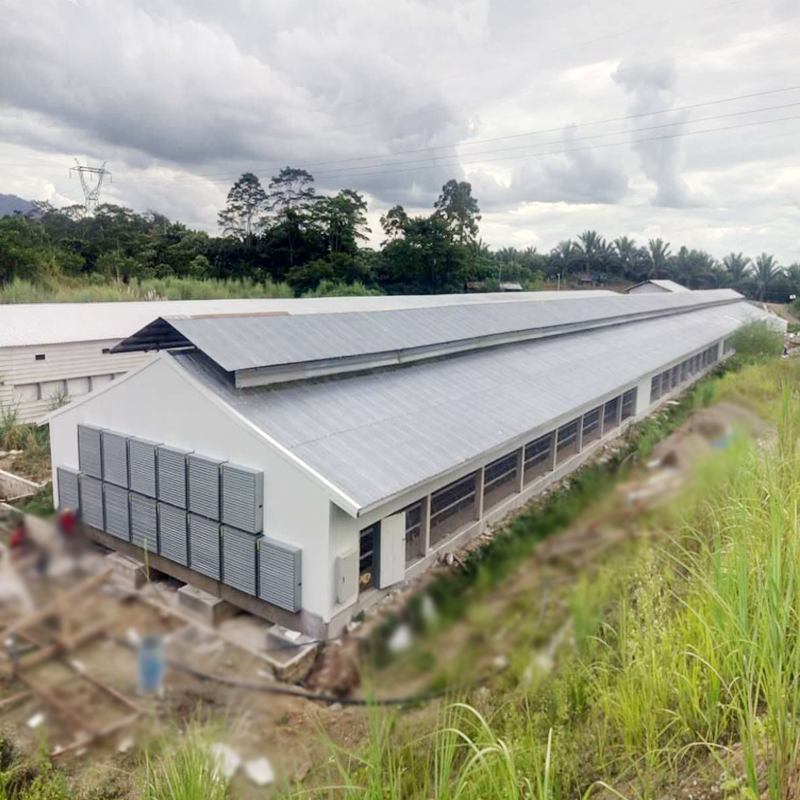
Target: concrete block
(204,606)
(290,654)
(128,572)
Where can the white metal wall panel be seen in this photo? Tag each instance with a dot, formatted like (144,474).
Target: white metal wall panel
(392,550)
(92,502)
(142,465)
(173,538)
(242,498)
(69,492)
(240,559)
(117,511)
(90,458)
(204,545)
(144,523)
(203,482)
(115,458)
(280,574)
(172,475)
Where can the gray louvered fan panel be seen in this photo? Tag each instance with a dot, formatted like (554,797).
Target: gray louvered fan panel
(69,492)
(240,559)
(117,511)
(92,502)
(142,465)
(204,546)
(90,456)
(204,485)
(144,523)
(243,498)
(280,576)
(173,537)
(172,475)
(115,458)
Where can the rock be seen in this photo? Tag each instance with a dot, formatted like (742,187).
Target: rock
(227,760)
(260,771)
(400,640)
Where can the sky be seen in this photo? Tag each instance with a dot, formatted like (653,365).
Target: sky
(678,120)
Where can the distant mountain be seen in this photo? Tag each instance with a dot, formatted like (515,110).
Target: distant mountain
(10,203)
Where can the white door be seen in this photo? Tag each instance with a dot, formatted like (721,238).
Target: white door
(392,550)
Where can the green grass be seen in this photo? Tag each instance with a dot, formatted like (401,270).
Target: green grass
(182,768)
(98,290)
(677,655)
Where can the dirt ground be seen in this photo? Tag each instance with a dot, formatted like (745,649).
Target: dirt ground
(531,607)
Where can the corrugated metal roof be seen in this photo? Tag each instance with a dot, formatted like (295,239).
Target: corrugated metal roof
(59,323)
(374,435)
(241,343)
(667,285)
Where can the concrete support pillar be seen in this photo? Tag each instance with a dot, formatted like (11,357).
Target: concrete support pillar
(521,468)
(580,433)
(619,411)
(479,481)
(425,522)
(553,439)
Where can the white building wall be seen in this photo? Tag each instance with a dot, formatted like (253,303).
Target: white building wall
(159,403)
(74,369)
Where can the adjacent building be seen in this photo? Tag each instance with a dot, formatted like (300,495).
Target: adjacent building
(303,465)
(51,353)
(655,286)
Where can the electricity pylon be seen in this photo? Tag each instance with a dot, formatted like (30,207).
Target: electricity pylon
(91,190)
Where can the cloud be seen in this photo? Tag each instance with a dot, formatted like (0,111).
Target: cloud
(652,89)
(393,99)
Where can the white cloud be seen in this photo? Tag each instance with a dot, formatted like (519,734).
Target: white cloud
(180,97)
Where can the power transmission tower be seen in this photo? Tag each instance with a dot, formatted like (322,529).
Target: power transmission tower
(91,188)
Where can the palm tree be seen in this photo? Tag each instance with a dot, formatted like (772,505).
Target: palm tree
(767,269)
(659,257)
(738,266)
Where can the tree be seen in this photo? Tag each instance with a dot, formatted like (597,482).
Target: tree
(659,254)
(562,257)
(766,271)
(246,204)
(394,224)
(291,189)
(626,254)
(737,267)
(459,209)
(344,219)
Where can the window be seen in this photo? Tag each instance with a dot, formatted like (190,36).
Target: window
(629,403)
(611,415)
(415,542)
(567,443)
(106,350)
(655,388)
(676,376)
(27,392)
(452,506)
(40,356)
(500,479)
(367,555)
(591,425)
(538,454)
(78,386)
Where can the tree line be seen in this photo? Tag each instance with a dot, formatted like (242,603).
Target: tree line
(287,232)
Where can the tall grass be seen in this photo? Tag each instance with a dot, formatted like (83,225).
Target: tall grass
(183,769)
(66,290)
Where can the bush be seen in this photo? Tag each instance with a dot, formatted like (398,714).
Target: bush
(755,341)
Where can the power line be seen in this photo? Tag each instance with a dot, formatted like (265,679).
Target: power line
(356,170)
(359,170)
(579,149)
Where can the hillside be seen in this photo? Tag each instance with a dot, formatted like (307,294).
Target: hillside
(10,203)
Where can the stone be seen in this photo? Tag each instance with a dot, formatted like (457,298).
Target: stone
(204,606)
(127,572)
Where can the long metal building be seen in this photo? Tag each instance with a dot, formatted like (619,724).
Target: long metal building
(52,352)
(301,466)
